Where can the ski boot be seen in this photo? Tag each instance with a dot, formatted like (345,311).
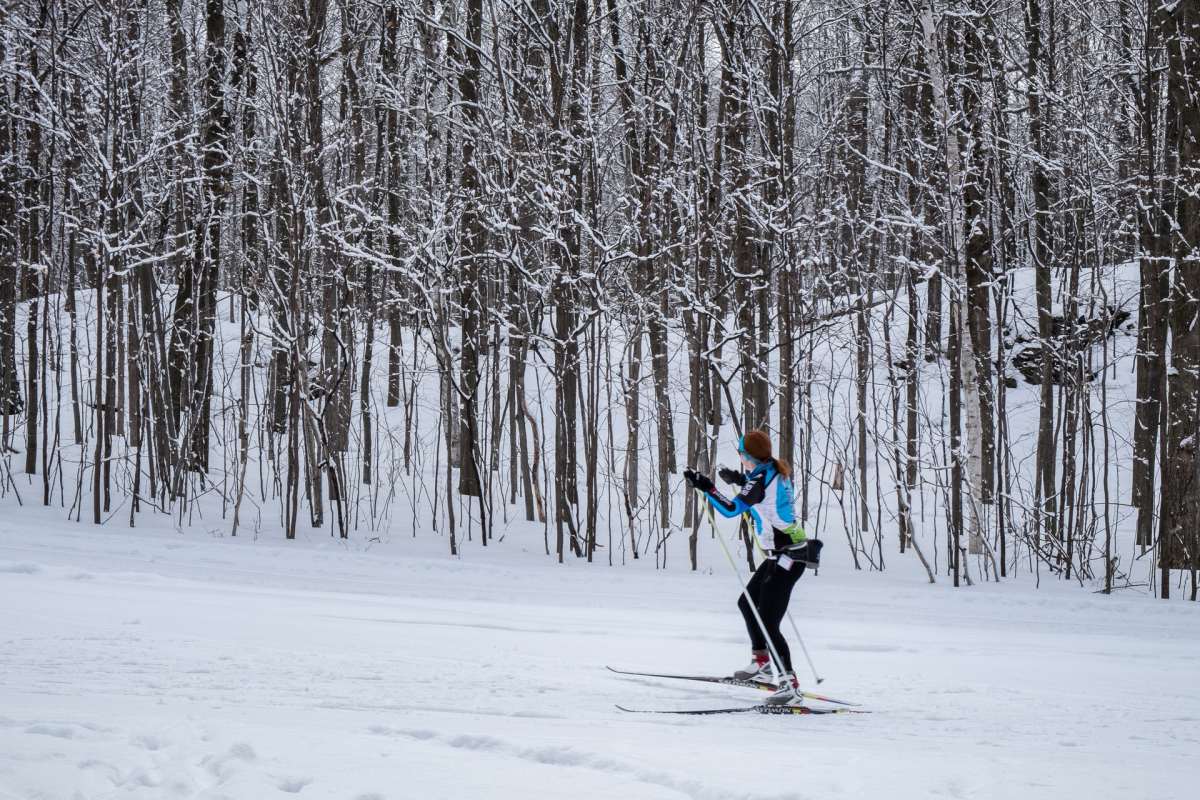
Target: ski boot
(788,693)
(757,670)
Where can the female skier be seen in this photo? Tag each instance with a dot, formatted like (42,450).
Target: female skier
(766,495)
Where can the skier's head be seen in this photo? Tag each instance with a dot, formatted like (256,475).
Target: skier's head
(755,449)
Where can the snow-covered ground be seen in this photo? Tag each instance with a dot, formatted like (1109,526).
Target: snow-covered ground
(162,663)
(153,664)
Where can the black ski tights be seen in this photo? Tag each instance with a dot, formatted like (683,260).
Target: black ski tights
(770,587)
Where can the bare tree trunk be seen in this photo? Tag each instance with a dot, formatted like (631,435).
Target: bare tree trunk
(1180,26)
(962,362)
(566,347)
(1044,490)
(33,243)
(474,244)
(977,260)
(1154,265)
(10,383)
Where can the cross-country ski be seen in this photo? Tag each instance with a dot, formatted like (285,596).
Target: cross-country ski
(758,709)
(766,686)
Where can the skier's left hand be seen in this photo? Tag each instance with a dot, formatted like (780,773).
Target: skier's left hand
(732,476)
(701,482)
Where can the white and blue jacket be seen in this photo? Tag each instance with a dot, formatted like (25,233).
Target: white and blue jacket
(767,497)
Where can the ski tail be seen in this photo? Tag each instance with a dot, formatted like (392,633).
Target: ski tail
(690,712)
(824,699)
(765,686)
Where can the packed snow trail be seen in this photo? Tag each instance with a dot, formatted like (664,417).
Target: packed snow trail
(151,664)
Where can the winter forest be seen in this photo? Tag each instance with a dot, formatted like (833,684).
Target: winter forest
(375,376)
(454,269)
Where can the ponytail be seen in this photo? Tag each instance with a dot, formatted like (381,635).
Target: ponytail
(783,468)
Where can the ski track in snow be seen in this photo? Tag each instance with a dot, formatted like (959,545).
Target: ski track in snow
(191,667)
(562,755)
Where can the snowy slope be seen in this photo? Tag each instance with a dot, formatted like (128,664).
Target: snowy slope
(148,664)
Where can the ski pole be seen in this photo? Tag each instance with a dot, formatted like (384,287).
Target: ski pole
(804,649)
(737,576)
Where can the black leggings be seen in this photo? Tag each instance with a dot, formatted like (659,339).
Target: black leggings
(770,587)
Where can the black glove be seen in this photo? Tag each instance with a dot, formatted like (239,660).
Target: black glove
(732,476)
(701,482)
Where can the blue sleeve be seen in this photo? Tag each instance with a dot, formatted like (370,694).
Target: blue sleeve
(753,492)
(725,507)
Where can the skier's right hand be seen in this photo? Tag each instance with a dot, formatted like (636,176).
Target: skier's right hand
(701,482)
(732,476)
